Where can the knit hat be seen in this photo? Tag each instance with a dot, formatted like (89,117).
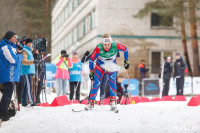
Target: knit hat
(23,39)
(28,40)
(75,53)
(9,35)
(63,52)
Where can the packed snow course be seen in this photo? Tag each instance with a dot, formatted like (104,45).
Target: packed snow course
(150,117)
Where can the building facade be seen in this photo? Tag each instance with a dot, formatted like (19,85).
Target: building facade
(77,25)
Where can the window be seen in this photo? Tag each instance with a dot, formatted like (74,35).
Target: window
(93,22)
(75,34)
(157,57)
(70,7)
(75,3)
(70,38)
(161,21)
(87,23)
(65,43)
(66,10)
(155,62)
(84,26)
(80,29)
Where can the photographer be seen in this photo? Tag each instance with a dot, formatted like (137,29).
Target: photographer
(9,60)
(63,63)
(19,86)
(27,71)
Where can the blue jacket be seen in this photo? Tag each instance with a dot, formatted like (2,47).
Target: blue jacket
(28,69)
(9,62)
(75,72)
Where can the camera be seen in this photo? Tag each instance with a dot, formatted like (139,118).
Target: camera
(19,47)
(40,44)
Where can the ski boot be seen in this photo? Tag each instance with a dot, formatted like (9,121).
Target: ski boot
(101,103)
(90,105)
(113,104)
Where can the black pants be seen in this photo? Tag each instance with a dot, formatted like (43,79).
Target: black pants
(165,87)
(179,85)
(40,87)
(19,87)
(5,100)
(73,86)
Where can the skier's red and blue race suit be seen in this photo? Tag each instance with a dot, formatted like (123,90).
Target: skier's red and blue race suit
(101,56)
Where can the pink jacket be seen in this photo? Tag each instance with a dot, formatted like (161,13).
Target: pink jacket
(62,68)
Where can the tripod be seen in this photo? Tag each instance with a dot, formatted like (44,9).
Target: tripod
(125,94)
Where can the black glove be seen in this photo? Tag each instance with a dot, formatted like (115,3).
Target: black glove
(36,61)
(87,53)
(91,76)
(126,64)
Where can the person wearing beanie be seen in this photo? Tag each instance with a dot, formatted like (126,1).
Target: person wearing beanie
(167,75)
(75,77)
(179,73)
(9,69)
(27,71)
(105,55)
(63,63)
(19,85)
(9,35)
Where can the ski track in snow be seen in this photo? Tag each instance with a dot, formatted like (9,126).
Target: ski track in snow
(154,117)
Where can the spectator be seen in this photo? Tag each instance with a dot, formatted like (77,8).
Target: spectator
(179,74)
(142,69)
(166,76)
(41,78)
(9,60)
(63,63)
(19,85)
(27,71)
(75,77)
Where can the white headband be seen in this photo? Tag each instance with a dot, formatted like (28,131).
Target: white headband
(106,40)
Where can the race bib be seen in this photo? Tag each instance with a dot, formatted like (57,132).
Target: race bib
(110,67)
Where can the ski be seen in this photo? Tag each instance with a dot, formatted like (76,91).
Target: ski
(115,110)
(78,110)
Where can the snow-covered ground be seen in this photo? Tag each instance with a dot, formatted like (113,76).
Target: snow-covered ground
(154,117)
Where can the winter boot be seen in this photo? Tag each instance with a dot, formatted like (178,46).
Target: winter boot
(100,102)
(113,104)
(5,116)
(90,105)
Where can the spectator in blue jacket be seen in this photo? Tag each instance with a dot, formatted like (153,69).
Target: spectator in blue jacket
(27,71)
(75,77)
(9,69)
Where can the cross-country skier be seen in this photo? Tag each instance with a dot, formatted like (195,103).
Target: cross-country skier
(103,87)
(104,53)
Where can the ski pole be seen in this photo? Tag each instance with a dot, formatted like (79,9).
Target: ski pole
(129,85)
